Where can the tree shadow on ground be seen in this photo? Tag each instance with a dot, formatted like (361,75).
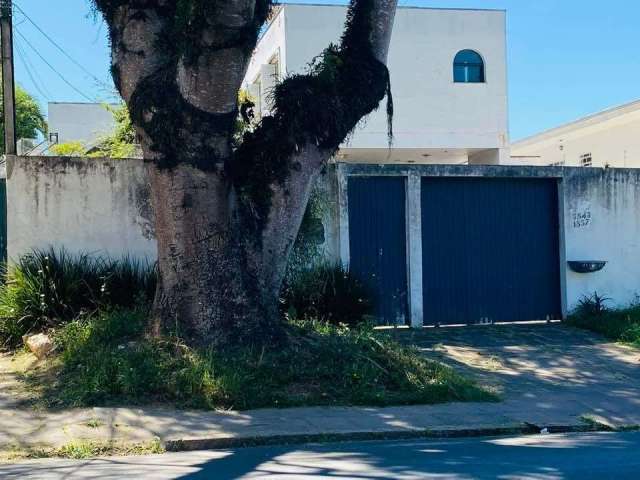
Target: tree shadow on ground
(592,456)
(540,362)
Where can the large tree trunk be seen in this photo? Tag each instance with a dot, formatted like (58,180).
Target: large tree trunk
(218,282)
(226,220)
(202,286)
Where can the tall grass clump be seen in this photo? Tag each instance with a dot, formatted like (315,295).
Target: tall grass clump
(47,288)
(327,292)
(619,324)
(107,359)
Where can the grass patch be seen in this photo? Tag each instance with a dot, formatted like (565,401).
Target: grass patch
(622,324)
(94,423)
(105,359)
(82,450)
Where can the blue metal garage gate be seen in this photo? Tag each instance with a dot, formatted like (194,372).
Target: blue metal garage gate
(377,242)
(490,249)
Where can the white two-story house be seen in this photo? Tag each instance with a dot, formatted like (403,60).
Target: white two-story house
(448,78)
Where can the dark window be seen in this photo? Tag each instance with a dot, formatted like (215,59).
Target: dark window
(468,67)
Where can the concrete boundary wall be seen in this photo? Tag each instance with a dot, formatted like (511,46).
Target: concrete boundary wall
(103,206)
(89,205)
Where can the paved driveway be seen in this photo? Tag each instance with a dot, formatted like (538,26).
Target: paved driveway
(548,371)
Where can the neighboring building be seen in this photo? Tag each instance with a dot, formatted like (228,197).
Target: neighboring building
(79,122)
(448,77)
(606,139)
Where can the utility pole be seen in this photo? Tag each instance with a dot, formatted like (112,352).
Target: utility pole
(8,84)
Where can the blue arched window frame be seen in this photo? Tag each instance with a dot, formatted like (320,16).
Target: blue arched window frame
(468,67)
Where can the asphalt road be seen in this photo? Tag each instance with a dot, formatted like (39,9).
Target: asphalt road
(542,457)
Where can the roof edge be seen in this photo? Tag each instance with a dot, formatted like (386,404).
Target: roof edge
(400,7)
(590,119)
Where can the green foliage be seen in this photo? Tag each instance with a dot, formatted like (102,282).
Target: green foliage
(246,120)
(328,293)
(69,149)
(48,288)
(592,306)
(121,143)
(619,324)
(29,117)
(106,359)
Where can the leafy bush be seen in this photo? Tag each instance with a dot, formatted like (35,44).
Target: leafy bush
(46,288)
(69,149)
(592,305)
(106,359)
(327,292)
(619,324)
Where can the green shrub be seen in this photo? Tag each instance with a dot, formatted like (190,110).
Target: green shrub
(46,288)
(329,293)
(592,305)
(619,324)
(106,359)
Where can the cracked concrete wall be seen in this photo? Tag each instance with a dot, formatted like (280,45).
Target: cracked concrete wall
(91,205)
(602,222)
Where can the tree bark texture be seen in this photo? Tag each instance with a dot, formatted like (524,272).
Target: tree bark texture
(227,217)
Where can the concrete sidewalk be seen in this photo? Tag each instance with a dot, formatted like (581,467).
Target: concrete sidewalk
(181,430)
(552,376)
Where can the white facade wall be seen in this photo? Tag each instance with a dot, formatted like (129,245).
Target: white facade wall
(610,137)
(270,51)
(602,222)
(434,116)
(80,122)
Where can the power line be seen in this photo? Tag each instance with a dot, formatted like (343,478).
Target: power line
(22,54)
(62,50)
(62,77)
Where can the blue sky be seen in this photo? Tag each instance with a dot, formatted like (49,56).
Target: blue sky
(567,58)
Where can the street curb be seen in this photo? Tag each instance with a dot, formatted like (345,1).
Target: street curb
(182,445)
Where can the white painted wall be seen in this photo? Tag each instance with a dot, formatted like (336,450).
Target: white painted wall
(83,122)
(433,114)
(270,48)
(602,222)
(84,205)
(611,137)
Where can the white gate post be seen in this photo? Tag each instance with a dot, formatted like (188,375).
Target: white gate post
(414,249)
(343,215)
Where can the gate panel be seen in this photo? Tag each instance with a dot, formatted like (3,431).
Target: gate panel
(490,250)
(377,243)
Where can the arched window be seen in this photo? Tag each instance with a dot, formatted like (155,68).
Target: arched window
(468,67)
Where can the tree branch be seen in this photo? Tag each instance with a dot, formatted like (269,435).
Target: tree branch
(319,109)
(275,168)
(179,65)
